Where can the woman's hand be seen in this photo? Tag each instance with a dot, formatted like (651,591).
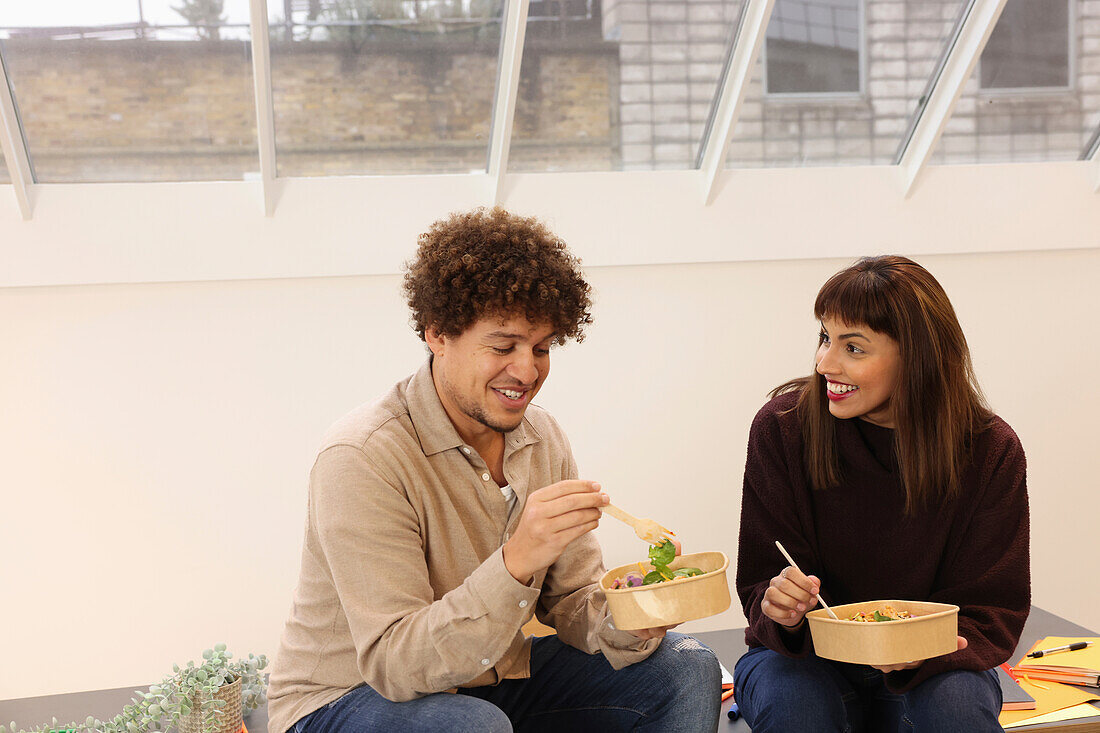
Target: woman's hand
(912,665)
(789,596)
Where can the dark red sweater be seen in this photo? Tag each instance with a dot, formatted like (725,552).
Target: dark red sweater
(972,551)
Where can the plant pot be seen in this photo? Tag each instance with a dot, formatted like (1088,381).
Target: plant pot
(227,718)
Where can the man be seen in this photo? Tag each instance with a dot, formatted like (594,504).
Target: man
(442,516)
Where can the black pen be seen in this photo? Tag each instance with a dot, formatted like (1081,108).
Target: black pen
(1067,648)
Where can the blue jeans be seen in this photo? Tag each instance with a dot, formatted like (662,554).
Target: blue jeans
(777,693)
(677,689)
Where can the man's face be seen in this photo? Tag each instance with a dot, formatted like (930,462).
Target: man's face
(487,375)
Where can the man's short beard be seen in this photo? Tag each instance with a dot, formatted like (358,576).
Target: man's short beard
(476,412)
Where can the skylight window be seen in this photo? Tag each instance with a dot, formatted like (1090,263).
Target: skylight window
(840,81)
(814,47)
(622,85)
(1025,103)
(1029,47)
(141,92)
(384,86)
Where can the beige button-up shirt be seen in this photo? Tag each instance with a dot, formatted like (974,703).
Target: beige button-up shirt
(403,584)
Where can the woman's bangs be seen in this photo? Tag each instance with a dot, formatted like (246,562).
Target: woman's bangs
(855,298)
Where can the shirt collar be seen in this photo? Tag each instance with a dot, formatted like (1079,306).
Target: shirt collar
(434,428)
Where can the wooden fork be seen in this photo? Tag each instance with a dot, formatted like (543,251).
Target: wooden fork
(646,529)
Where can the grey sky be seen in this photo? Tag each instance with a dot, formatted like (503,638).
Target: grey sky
(41,13)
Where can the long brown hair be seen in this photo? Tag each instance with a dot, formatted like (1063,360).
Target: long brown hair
(938,406)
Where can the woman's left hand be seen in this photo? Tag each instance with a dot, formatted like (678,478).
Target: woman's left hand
(911,665)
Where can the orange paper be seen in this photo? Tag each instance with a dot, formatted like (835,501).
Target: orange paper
(1048,698)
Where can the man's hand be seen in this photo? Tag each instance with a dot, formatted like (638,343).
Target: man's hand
(553,517)
(657,632)
(789,596)
(911,665)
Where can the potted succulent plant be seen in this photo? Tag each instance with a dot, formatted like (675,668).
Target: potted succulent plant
(209,697)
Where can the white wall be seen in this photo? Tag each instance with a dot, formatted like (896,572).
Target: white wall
(215,230)
(155,439)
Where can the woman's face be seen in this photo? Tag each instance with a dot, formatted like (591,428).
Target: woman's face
(861,369)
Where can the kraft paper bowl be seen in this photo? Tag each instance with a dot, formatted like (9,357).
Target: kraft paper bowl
(671,602)
(930,633)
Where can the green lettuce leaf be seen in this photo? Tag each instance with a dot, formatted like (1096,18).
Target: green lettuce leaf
(662,554)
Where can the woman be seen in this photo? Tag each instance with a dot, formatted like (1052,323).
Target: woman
(884,475)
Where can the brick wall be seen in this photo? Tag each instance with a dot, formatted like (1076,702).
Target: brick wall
(140,110)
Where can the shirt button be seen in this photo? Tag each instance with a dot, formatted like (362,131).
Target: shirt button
(523,604)
(484,477)
(465,450)
(610,625)
(485,662)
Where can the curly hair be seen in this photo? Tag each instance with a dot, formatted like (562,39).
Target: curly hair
(488,262)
